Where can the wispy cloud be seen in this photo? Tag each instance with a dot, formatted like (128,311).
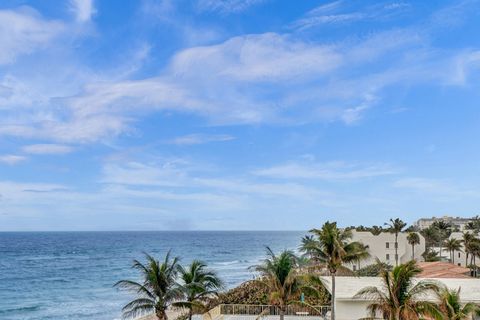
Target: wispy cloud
(11,159)
(199,138)
(443,189)
(47,149)
(23,31)
(83,9)
(227,6)
(326,171)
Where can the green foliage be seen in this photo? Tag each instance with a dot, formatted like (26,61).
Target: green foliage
(452,307)
(373,270)
(430,256)
(158,289)
(402,299)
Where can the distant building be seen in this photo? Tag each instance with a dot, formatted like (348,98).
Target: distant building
(458,222)
(382,247)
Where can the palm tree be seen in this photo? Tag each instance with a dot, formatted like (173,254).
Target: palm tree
(451,307)
(413,239)
(453,245)
(401,298)
(158,288)
(280,276)
(444,230)
(396,226)
(198,283)
(332,247)
(468,239)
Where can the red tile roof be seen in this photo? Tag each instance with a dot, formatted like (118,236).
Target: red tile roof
(442,270)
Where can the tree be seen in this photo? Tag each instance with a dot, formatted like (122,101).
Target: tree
(401,298)
(453,245)
(197,284)
(413,239)
(451,306)
(468,240)
(444,231)
(396,226)
(332,247)
(280,277)
(158,289)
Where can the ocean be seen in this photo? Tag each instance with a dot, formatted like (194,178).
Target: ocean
(69,275)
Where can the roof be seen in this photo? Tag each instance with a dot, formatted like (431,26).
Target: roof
(441,269)
(348,287)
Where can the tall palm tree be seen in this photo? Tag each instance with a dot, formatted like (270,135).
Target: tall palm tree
(332,247)
(444,231)
(197,284)
(401,298)
(280,276)
(413,239)
(467,240)
(453,245)
(451,306)
(157,290)
(396,226)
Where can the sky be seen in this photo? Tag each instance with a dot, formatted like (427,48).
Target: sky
(237,114)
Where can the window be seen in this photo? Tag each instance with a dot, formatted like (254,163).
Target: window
(354,268)
(459,264)
(387,245)
(459,254)
(388,256)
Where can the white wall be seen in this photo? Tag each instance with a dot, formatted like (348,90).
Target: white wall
(377,245)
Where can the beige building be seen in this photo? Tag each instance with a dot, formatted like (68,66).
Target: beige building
(382,247)
(455,221)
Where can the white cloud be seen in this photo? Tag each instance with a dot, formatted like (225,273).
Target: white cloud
(23,31)
(445,190)
(83,9)
(325,171)
(47,149)
(227,6)
(197,138)
(12,159)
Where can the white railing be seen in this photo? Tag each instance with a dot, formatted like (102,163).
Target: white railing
(223,310)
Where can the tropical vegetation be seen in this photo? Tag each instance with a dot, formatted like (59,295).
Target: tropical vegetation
(452,307)
(396,226)
(401,298)
(332,247)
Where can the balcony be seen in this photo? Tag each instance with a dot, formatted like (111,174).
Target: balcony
(266,312)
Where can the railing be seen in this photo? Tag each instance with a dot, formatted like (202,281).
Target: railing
(222,310)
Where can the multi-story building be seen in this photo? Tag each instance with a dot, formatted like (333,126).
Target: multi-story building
(382,247)
(458,222)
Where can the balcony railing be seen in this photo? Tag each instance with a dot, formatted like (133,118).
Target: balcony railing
(244,311)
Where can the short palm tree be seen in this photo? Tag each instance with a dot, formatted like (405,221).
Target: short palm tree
(451,307)
(157,290)
(396,226)
(413,239)
(401,298)
(197,284)
(332,247)
(280,276)
(453,245)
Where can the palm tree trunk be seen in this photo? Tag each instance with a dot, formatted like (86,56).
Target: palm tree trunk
(413,251)
(161,315)
(282,313)
(190,314)
(453,256)
(466,258)
(332,303)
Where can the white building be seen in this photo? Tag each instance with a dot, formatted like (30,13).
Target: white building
(349,307)
(455,221)
(382,247)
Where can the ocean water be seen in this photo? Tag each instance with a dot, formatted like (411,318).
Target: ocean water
(69,275)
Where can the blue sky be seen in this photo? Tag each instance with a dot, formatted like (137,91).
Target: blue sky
(258,114)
